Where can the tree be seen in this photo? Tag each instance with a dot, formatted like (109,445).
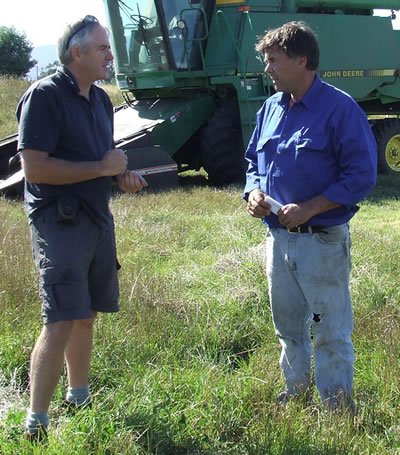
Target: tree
(111,74)
(15,51)
(50,69)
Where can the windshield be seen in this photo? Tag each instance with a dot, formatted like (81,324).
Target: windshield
(186,22)
(149,35)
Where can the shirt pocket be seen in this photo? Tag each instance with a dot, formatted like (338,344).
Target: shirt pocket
(262,147)
(311,152)
(312,143)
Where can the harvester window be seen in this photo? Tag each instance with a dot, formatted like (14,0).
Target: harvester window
(187,24)
(154,35)
(142,37)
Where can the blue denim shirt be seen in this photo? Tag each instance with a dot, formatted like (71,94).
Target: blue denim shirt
(322,145)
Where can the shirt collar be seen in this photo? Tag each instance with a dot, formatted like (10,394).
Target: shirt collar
(70,80)
(309,99)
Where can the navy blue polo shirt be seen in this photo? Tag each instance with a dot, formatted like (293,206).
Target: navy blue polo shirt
(54,118)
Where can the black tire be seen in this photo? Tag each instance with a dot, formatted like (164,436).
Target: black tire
(222,150)
(387,134)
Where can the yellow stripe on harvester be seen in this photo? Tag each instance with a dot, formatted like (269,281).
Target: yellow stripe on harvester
(358,73)
(227,2)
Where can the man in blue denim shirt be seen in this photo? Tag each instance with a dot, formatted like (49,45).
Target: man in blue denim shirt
(313,151)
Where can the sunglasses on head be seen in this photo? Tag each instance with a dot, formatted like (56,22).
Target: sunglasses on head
(85,21)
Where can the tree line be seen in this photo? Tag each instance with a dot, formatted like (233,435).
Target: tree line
(16,55)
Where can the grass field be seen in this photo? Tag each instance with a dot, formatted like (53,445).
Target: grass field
(190,364)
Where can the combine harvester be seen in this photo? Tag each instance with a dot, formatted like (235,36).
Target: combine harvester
(192,81)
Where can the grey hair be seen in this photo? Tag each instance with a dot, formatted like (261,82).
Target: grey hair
(82,38)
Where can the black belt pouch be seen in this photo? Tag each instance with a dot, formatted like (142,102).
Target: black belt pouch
(68,208)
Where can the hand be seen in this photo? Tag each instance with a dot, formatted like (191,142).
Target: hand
(293,215)
(131,181)
(114,162)
(256,205)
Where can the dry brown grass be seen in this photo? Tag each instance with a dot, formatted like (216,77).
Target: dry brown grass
(11,91)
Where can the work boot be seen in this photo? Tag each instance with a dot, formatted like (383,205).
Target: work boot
(284,397)
(39,434)
(73,407)
(340,403)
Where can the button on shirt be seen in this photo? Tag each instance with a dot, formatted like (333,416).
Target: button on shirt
(321,145)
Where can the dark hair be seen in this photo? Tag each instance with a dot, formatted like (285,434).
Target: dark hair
(296,39)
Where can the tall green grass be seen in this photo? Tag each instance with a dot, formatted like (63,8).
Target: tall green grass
(190,364)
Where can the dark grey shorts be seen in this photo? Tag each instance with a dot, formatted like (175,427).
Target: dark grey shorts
(77,266)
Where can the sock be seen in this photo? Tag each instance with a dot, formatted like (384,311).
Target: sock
(78,395)
(34,419)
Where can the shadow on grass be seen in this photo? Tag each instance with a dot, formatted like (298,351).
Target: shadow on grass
(155,435)
(387,187)
(193,180)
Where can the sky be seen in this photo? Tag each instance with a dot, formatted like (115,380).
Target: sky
(43,20)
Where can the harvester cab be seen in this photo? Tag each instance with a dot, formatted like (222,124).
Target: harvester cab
(159,48)
(145,32)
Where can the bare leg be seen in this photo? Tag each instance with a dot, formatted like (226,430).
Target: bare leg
(47,362)
(78,352)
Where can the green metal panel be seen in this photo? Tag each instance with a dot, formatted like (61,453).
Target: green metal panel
(351,4)
(153,80)
(289,6)
(353,71)
(182,119)
(390,91)
(264,5)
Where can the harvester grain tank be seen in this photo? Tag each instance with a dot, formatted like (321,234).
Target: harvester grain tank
(192,81)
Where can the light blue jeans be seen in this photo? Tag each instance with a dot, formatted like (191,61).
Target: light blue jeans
(308,277)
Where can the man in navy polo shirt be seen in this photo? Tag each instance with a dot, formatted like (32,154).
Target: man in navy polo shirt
(69,160)
(314,153)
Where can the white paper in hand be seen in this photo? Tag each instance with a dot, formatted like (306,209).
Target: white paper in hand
(275,205)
